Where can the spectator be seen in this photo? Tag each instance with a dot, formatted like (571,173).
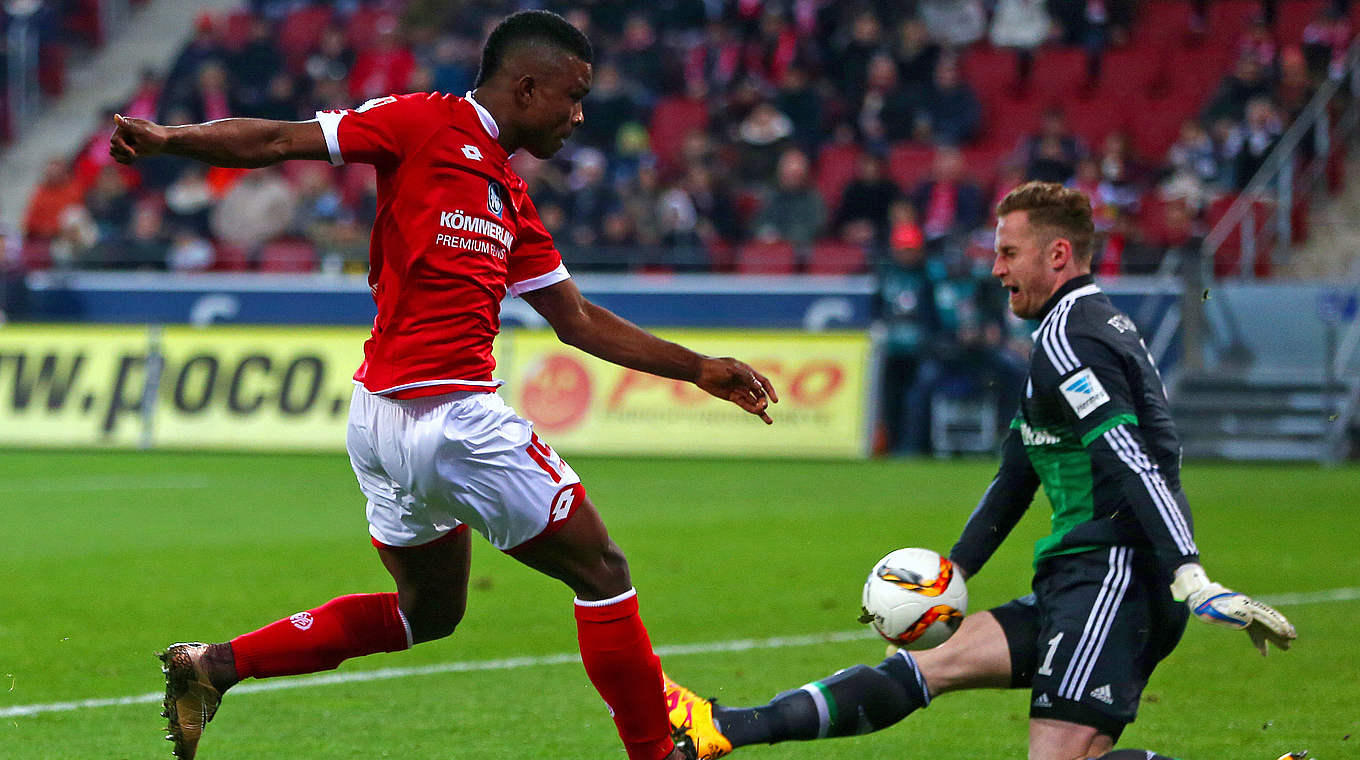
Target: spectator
(642,203)
(56,191)
(145,101)
(714,205)
(1022,25)
(1193,154)
(1294,88)
(885,113)
(868,197)
(76,238)
(252,67)
(916,53)
(773,50)
(189,200)
(333,58)
(948,204)
(949,111)
(639,54)
(792,210)
(204,47)
(258,208)
(1247,80)
(1124,177)
(187,252)
(763,136)
(715,61)
(453,64)
(799,99)
(1254,141)
(1258,44)
(590,198)
(1326,41)
(1051,155)
(384,68)
(109,204)
(143,245)
(852,58)
(611,106)
(280,100)
(956,23)
(211,97)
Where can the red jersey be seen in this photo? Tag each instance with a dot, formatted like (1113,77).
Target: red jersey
(455,230)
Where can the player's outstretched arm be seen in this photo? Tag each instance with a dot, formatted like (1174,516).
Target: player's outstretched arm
(237,143)
(602,333)
(1213,603)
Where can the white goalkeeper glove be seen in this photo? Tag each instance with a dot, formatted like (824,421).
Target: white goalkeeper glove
(1213,603)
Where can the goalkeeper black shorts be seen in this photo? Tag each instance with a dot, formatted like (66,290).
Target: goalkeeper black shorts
(1086,641)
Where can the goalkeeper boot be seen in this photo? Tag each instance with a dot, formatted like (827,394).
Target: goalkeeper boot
(692,723)
(191,700)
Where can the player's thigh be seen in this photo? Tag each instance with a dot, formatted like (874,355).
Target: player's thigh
(1060,740)
(975,657)
(580,554)
(1096,636)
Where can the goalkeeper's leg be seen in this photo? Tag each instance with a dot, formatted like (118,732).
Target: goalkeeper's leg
(862,699)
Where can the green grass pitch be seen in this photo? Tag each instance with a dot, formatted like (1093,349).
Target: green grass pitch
(109,556)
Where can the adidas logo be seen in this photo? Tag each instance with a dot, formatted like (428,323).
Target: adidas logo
(1080,385)
(1043,701)
(1102,693)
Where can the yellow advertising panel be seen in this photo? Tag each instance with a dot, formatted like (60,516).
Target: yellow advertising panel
(581,404)
(72,386)
(256,387)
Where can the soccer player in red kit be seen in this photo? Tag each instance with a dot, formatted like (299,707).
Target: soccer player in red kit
(435,449)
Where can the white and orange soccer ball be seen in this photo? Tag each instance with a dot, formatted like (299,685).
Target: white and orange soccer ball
(914,598)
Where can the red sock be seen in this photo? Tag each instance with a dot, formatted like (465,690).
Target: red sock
(619,660)
(320,639)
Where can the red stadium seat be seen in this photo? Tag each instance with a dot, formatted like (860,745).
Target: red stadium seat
(287,255)
(835,168)
(236,29)
(1093,120)
(36,254)
(1133,70)
(776,257)
(1059,72)
(230,258)
(990,71)
(836,257)
(673,119)
(1005,122)
(1291,20)
(909,164)
(299,34)
(362,27)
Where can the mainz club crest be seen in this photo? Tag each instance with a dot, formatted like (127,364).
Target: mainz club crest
(493,198)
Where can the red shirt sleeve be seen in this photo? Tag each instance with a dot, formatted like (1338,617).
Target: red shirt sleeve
(534,261)
(381,131)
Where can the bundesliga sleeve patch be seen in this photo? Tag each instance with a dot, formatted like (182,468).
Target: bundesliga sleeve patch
(1083,392)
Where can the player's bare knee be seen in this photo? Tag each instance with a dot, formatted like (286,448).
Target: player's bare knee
(605,576)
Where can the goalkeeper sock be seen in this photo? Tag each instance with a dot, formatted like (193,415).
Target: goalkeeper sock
(618,658)
(854,701)
(321,639)
(1133,754)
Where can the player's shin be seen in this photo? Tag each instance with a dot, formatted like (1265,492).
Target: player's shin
(618,658)
(854,701)
(322,638)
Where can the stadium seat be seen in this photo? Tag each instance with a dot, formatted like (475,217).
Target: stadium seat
(1133,70)
(1154,123)
(775,257)
(835,169)
(36,254)
(909,163)
(362,27)
(1093,120)
(1290,22)
(836,257)
(1161,21)
(990,71)
(287,255)
(299,33)
(235,29)
(673,119)
(230,258)
(1059,72)
(1005,122)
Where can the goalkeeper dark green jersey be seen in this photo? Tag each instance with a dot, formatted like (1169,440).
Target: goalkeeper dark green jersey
(1094,429)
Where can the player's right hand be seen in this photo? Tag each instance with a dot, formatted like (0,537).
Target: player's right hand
(135,138)
(1212,603)
(735,381)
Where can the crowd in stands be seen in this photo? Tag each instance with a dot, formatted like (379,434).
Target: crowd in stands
(754,136)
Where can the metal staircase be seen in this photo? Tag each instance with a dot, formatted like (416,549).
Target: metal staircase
(1279,416)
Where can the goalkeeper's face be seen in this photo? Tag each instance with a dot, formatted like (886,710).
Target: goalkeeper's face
(1026,265)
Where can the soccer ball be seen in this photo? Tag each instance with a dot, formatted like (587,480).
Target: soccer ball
(914,598)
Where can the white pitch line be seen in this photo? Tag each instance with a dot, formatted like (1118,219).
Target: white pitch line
(517,663)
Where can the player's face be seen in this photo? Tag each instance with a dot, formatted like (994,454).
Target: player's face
(1023,264)
(557,108)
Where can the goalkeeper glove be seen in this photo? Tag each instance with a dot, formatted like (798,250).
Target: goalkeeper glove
(1213,603)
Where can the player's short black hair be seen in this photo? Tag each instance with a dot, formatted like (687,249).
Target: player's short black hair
(528,27)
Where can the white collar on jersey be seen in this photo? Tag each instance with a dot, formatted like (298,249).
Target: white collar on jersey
(488,123)
(1084,290)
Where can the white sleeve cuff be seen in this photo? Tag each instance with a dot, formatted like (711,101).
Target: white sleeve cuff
(542,281)
(330,127)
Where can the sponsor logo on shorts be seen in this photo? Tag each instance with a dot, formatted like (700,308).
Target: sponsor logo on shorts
(1102,693)
(301,621)
(565,502)
(1043,701)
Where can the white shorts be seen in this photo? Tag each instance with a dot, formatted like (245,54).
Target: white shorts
(430,464)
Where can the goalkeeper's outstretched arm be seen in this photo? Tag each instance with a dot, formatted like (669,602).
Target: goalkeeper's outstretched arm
(236,143)
(1000,508)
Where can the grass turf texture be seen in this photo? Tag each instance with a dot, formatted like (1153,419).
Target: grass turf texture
(110,556)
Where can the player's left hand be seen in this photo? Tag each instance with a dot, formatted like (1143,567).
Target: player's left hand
(1213,603)
(735,381)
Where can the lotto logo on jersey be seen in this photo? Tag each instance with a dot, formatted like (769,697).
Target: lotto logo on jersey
(1084,393)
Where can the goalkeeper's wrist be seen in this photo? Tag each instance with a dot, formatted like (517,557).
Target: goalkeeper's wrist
(1188,580)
